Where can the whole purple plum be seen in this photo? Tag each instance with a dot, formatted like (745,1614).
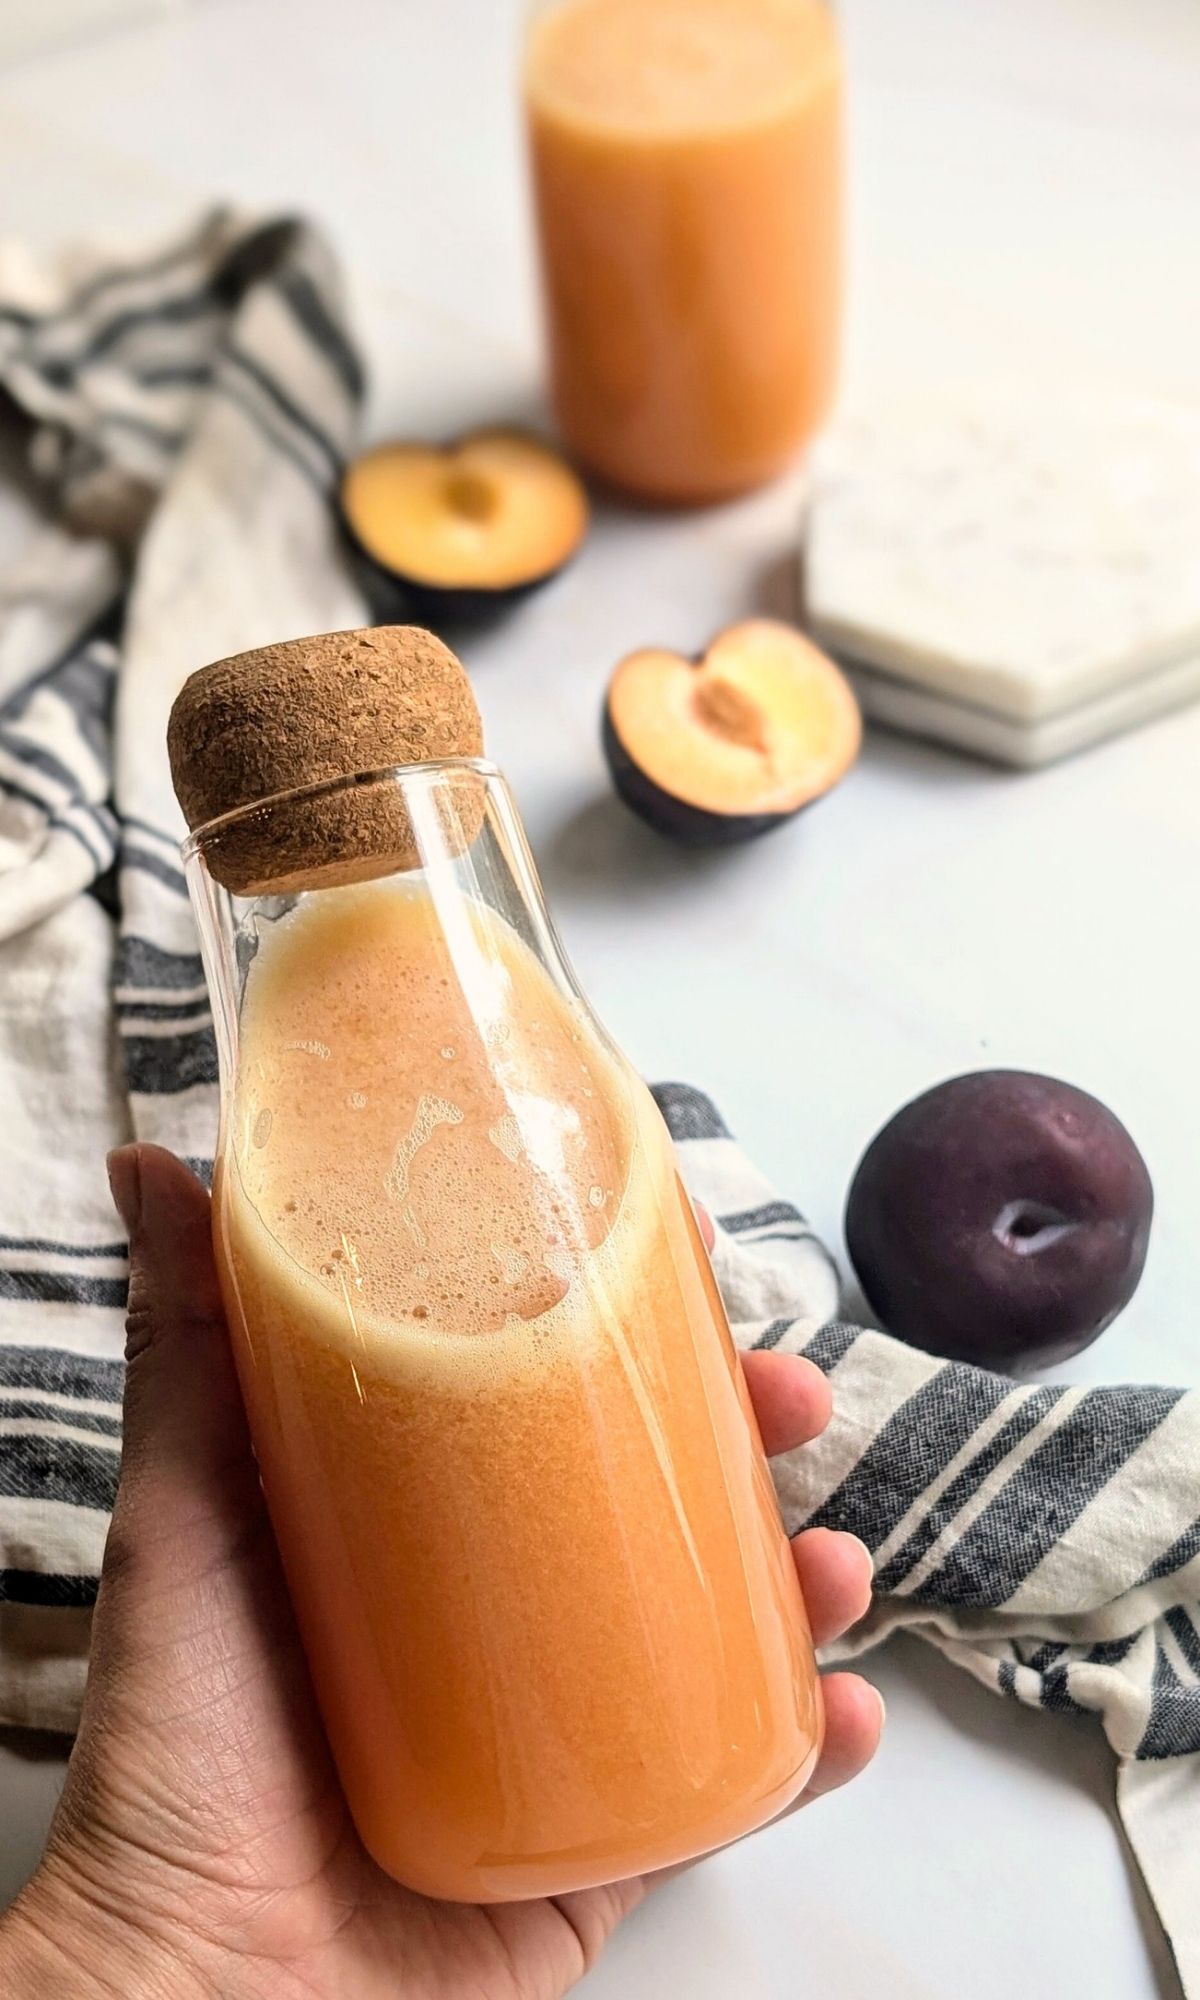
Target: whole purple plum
(1000,1218)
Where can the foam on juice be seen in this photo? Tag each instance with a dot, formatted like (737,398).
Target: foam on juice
(426,1143)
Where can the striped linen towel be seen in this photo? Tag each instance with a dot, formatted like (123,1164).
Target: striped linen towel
(189,412)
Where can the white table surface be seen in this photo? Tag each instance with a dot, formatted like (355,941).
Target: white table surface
(1025,182)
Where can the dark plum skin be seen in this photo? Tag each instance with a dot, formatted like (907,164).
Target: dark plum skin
(1000,1218)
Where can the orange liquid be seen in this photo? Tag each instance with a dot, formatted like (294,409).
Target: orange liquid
(686,161)
(527,1524)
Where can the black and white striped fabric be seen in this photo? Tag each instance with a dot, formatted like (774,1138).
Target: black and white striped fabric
(191,411)
(188,409)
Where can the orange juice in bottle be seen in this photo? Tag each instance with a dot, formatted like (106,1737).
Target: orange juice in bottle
(527,1525)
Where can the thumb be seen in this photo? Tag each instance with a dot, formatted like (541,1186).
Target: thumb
(187,1473)
(186,1601)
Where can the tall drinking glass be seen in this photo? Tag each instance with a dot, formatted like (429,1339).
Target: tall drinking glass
(686,160)
(527,1524)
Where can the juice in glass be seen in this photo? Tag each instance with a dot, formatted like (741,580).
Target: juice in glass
(686,162)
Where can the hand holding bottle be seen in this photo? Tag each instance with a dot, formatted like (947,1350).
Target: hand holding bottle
(203,1845)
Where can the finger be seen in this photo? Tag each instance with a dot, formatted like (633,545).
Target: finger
(791,1398)
(704,1223)
(187,1471)
(593,1915)
(835,1572)
(854,1716)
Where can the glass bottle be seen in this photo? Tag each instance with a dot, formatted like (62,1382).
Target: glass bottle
(528,1528)
(686,160)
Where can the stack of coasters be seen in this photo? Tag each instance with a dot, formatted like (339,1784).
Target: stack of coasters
(1015,577)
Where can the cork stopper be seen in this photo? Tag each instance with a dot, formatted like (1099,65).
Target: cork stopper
(305,713)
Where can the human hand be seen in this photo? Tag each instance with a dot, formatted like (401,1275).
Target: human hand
(202,1847)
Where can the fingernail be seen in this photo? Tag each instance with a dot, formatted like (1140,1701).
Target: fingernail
(882,1703)
(867,1556)
(125,1181)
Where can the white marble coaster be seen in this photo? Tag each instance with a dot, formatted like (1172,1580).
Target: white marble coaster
(900,705)
(1017,577)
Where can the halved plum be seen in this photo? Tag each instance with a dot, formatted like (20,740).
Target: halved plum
(723,748)
(457,529)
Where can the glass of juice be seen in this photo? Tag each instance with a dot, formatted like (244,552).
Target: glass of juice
(687,168)
(528,1528)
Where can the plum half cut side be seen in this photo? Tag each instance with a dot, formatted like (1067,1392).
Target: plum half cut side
(726,747)
(455,530)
